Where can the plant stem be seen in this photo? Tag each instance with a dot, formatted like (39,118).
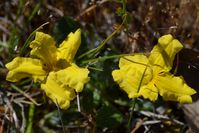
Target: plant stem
(78,103)
(97,49)
(58,108)
(30,38)
(131,115)
(30,118)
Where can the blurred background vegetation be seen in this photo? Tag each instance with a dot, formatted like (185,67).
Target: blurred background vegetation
(136,25)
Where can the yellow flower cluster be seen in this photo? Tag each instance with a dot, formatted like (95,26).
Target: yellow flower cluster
(53,67)
(140,75)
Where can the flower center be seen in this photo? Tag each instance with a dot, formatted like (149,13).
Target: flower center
(58,65)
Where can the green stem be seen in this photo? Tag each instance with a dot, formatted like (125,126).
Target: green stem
(106,57)
(134,102)
(30,38)
(92,52)
(95,69)
(62,124)
(131,115)
(177,65)
(30,118)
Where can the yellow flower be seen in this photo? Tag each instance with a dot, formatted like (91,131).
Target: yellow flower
(53,67)
(140,75)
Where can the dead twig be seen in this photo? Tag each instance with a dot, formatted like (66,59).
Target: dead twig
(158,116)
(89,9)
(138,125)
(25,94)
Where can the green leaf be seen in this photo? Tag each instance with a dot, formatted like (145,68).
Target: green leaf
(35,10)
(71,116)
(108,117)
(87,100)
(12,43)
(63,27)
(120,11)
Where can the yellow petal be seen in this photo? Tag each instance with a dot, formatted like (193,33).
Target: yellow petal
(130,75)
(74,77)
(21,67)
(149,91)
(174,88)
(44,48)
(69,46)
(58,92)
(164,52)
(138,58)
(163,41)
(170,45)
